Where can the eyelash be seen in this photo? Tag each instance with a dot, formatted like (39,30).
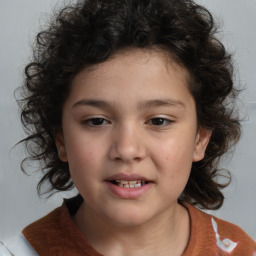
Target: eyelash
(99,122)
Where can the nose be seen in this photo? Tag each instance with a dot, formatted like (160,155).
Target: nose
(127,144)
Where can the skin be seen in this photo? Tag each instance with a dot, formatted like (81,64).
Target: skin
(132,114)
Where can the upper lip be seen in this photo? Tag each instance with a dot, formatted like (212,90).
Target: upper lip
(128,177)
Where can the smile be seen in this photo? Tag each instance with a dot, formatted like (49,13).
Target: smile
(129,186)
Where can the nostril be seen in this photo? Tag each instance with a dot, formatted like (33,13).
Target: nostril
(138,158)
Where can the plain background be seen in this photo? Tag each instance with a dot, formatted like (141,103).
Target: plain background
(19,22)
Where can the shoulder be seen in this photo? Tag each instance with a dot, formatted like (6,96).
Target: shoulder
(57,233)
(219,234)
(229,233)
(229,229)
(47,231)
(33,236)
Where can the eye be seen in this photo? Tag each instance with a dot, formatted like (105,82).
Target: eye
(97,121)
(160,121)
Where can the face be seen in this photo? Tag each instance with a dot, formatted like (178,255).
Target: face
(130,136)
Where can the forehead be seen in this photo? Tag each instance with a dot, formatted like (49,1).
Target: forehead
(138,56)
(133,73)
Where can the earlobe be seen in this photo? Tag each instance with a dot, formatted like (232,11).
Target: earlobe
(60,144)
(202,139)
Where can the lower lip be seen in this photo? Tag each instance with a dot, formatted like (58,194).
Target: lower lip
(129,193)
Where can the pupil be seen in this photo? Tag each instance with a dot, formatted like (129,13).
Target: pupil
(157,121)
(97,121)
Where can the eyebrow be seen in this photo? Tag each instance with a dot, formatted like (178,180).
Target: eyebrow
(160,102)
(141,105)
(92,103)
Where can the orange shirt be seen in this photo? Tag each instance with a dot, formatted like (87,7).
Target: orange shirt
(56,234)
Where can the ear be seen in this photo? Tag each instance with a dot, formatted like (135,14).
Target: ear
(60,144)
(202,139)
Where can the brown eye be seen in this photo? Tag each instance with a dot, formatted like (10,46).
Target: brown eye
(95,122)
(159,121)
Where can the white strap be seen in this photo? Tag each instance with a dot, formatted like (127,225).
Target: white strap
(17,246)
(226,244)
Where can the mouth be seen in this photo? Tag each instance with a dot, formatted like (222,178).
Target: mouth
(129,186)
(129,183)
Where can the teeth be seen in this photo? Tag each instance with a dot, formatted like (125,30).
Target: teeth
(124,182)
(133,182)
(130,183)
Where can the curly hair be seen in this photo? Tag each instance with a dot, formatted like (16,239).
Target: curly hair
(89,32)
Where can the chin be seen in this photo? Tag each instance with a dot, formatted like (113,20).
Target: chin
(128,218)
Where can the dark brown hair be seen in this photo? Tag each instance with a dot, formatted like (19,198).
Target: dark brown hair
(89,32)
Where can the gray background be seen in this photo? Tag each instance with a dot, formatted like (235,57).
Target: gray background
(20,20)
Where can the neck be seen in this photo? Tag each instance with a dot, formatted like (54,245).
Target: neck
(168,232)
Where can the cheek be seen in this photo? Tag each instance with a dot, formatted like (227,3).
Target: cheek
(176,154)
(174,166)
(84,159)
(85,169)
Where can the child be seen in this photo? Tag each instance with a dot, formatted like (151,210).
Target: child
(130,101)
